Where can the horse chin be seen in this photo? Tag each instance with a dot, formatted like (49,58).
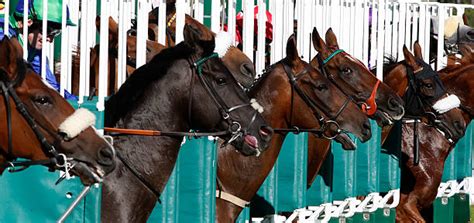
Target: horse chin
(346,142)
(88,175)
(247,146)
(383,119)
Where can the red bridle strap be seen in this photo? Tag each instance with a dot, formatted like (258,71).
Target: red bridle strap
(370,106)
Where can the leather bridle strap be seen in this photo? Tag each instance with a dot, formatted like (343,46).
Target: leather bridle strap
(232,199)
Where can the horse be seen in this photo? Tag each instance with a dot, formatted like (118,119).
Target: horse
(295,97)
(433,132)
(183,87)
(375,98)
(39,125)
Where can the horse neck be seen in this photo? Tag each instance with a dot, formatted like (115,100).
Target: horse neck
(396,79)
(242,176)
(152,157)
(460,83)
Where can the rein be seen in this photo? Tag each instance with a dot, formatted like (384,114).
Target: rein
(369,106)
(57,160)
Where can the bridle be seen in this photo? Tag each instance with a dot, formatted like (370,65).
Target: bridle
(56,160)
(325,123)
(369,106)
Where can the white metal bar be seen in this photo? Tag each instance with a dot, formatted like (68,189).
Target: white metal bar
(215,16)
(162,22)
(179,20)
(414,34)
(262,18)
(122,44)
(142,31)
(44,50)
(103,54)
(401,30)
(84,50)
(373,38)
(6,25)
(248,28)
(427,36)
(388,27)
(231,7)
(25,29)
(64,50)
(380,39)
(366,36)
(408,30)
(422,28)
(441,16)
(199,10)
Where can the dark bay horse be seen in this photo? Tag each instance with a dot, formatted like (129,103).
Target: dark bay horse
(285,108)
(183,87)
(420,180)
(356,81)
(40,125)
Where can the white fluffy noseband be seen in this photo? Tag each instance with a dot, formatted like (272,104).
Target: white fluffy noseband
(447,103)
(76,123)
(255,105)
(223,42)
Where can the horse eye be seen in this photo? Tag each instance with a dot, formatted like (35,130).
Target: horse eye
(429,86)
(220,81)
(43,100)
(322,87)
(346,70)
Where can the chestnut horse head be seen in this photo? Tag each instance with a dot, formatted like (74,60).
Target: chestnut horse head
(40,125)
(354,79)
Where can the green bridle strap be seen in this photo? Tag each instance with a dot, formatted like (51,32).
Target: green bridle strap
(198,64)
(332,55)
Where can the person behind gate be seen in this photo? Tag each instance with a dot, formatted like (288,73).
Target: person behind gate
(35,33)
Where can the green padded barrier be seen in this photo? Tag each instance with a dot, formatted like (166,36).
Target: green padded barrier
(244,216)
(285,187)
(189,195)
(31,196)
(461,208)
(443,209)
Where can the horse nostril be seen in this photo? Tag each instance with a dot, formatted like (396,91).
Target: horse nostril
(247,69)
(459,126)
(367,130)
(266,132)
(106,156)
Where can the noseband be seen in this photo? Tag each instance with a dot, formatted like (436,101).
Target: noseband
(56,160)
(369,106)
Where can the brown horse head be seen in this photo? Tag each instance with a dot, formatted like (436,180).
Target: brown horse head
(333,104)
(424,94)
(44,125)
(355,80)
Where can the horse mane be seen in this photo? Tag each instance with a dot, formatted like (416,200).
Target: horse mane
(118,105)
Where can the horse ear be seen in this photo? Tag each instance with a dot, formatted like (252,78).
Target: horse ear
(291,51)
(11,51)
(193,37)
(318,42)
(409,58)
(417,49)
(467,54)
(331,39)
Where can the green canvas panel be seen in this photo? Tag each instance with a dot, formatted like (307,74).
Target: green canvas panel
(461,208)
(285,187)
(244,216)
(458,164)
(443,209)
(32,196)
(189,195)
(357,171)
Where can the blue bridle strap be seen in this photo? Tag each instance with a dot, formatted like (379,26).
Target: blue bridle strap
(332,55)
